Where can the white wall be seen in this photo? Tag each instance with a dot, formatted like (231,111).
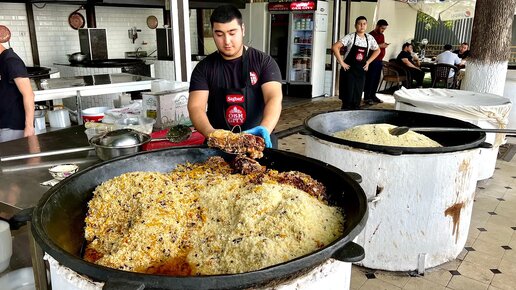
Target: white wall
(56,38)
(118,20)
(402,24)
(14,16)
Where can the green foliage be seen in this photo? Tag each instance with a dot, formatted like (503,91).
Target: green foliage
(432,22)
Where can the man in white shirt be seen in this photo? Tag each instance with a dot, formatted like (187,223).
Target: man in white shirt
(448,57)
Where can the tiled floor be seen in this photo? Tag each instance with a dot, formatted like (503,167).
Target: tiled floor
(488,260)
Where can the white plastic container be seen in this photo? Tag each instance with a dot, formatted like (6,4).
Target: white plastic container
(59,118)
(484,110)
(6,246)
(20,279)
(39,123)
(138,123)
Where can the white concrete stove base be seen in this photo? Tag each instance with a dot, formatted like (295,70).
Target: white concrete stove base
(331,275)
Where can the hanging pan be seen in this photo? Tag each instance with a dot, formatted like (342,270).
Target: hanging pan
(76,20)
(5,34)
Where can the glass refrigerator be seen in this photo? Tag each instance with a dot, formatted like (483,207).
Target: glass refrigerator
(297,41)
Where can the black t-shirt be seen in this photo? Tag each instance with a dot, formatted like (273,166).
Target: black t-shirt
(204,76)
(404,54)
(12,112)
(461,55)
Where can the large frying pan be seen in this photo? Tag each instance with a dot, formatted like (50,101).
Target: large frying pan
(58,220)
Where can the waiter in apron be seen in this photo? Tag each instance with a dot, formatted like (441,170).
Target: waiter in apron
(355,63)
(237,87)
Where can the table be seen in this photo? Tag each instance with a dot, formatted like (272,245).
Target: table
(20,186)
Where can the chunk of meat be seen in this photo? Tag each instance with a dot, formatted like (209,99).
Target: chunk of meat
(303,182)
(237,143)
(245,165)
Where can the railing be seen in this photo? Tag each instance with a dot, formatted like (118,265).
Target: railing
(432,50)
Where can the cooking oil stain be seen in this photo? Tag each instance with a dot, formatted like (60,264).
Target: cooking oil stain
(454,212)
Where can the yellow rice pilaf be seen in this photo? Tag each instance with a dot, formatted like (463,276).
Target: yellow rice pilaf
(201,219)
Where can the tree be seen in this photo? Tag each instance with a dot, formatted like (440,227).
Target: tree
(490,46)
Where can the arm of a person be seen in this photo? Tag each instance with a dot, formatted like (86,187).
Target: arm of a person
(373,55)
(383,45)
(197,103)
(416,60)
(408,63)
(23,85)
(272,97)
(335,48)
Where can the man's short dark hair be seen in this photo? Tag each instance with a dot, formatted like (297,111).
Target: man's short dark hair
(465,43)
(360,18)
(382,22)
(447,47)
(406,44)
(225,14)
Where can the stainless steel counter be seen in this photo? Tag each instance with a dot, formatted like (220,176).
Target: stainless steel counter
(20,185)
(20,179)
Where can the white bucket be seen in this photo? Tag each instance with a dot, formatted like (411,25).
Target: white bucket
(59,118)
(6,248)
(39,123)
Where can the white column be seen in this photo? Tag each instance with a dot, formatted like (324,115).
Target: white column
(179,18)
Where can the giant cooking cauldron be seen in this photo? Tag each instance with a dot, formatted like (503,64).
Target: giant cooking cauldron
(58,220)
(420,199)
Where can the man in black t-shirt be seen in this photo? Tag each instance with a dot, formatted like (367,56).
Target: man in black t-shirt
(412,65)
(16,97)
(236,86)
(463,51)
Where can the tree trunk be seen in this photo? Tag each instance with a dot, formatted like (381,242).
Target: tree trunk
(490,46)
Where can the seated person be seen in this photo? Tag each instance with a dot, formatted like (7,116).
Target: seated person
(463,51)
(448,57)
(406,59)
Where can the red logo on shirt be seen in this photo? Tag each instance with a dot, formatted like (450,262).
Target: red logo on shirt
(234,98)
(235,115)
(360,54)
(254,77)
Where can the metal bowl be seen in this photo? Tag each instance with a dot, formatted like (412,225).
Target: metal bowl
(76,58)
(119,143)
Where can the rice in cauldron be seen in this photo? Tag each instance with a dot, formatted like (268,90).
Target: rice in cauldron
(201,219)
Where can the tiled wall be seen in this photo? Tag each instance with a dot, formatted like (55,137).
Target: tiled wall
(56,39)
(118,20)
(14,16)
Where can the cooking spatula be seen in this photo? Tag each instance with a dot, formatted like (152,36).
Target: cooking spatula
(397,131)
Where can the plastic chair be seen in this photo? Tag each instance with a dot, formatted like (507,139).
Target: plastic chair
(391,75)
(442,74)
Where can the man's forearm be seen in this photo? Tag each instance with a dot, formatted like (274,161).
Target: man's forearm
(271,113)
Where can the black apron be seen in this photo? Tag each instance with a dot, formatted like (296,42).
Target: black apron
(352,81)
(230,108)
